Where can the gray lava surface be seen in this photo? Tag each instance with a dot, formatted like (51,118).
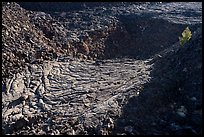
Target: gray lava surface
(101,69)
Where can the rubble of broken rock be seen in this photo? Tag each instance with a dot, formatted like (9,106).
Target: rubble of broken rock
(39,37)
(101,69)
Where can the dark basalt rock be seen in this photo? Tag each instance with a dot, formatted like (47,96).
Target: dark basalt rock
(101,68)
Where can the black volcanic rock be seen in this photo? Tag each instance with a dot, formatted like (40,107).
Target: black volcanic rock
(68,6)
(101,68)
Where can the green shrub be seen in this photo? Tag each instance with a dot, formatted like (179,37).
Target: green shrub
(186,36)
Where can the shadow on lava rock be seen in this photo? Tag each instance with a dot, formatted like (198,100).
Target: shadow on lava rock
(65,6)
(139,37)
(171,102)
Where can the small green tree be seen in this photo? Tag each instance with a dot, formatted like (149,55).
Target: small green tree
(186,36)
